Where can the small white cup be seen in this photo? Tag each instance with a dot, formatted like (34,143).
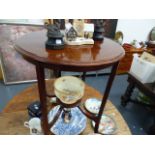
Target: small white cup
(34,124)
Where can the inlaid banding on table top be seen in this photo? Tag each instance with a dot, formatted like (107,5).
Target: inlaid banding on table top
(32,45)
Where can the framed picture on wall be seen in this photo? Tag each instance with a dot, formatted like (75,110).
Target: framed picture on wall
(15,69)
(22,21)
(110,27)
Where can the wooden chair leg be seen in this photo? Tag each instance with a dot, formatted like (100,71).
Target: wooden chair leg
(126,97)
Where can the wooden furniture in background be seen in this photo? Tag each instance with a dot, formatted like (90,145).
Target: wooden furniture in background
(15,113)
(148,89)
(72,58)
(125,63)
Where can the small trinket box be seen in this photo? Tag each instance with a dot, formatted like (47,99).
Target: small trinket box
(34,109)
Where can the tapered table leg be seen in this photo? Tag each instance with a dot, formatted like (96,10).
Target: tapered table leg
(42,95)
(106,94)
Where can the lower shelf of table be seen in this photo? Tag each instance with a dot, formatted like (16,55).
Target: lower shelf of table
(16,111)
(13,124)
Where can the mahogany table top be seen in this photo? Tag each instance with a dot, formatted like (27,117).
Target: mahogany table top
(32,47)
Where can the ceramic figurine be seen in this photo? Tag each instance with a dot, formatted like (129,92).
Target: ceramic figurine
(34,124)
(66,115)
(152,34)
(78,25)
(55,38)
(71,34)
(99,29)
(151,42)
(119,37)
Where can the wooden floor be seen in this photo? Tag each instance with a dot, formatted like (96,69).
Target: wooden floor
(15,113)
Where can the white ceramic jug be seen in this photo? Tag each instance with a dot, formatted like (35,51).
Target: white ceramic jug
(34,124)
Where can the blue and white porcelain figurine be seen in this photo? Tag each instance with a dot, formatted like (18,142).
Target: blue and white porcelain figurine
(75,126)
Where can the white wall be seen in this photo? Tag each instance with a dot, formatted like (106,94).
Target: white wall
(137,29)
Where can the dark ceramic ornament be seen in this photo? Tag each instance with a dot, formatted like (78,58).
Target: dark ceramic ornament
(55,38)
(98,29)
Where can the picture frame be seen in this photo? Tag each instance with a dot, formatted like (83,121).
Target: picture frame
(22,21)
(110,28)
(15,69)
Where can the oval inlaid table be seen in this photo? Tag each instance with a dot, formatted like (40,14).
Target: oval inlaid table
(15,113)
(81,58)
